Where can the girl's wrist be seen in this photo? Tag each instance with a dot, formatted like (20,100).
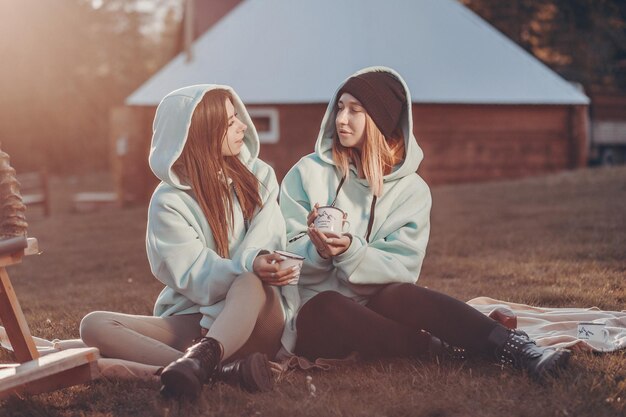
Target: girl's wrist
(262,252)
(321,254)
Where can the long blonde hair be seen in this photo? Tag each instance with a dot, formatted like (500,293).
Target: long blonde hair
(205,169)
(375,160)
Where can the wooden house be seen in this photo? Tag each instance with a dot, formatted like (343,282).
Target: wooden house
(484,109)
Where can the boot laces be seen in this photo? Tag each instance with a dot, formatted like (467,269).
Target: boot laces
(207,351)
(519,349)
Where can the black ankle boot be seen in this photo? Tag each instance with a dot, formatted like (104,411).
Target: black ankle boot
(440,350)
(515,348)
(251,373)
(185,376)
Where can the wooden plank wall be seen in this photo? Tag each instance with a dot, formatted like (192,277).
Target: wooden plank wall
(465,143)
(608,107)
(461,143)
(299,127)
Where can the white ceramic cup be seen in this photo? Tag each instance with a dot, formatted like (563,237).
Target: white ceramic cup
(594,332)
(291,260)
(330,220)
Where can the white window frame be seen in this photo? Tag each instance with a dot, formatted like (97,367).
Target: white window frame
(273,134)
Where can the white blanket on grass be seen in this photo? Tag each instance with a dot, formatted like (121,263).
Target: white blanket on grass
(558,327)
(43,346)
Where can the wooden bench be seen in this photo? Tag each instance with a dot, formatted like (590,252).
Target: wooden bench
(34,190)
(34,374)
(92,201)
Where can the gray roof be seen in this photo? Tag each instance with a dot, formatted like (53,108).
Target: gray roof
(298,51)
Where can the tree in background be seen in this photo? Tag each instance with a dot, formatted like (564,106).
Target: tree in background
(582,40)
(65,64)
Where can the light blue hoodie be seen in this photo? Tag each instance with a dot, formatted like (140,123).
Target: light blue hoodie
(179,241)
(401,224)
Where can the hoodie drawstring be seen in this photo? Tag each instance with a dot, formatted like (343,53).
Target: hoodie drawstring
(370,221)
(246,221)
(337,190)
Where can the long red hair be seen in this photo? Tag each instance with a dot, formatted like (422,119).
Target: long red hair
(202,165)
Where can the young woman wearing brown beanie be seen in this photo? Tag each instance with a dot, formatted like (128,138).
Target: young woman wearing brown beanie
(358,289)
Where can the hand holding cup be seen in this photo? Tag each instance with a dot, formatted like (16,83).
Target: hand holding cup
(290,262)
(326,225)
(268,268)
(331,220)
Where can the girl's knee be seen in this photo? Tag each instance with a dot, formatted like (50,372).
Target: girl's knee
(396,297)
(399,291)
(249,281)
(323,305)
(93,327)
(249,287)
(399,287)
(327,298)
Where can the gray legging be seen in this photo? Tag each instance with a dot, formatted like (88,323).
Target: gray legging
(251,321)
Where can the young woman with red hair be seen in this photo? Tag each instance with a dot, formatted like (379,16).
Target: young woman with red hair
(213,223)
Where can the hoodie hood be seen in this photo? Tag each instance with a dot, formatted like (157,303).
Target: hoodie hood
(171,128)
(414,154)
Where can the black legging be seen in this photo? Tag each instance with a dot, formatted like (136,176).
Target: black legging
(331,325)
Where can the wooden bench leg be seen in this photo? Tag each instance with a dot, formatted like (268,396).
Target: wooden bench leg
(35,374)
(14,321)
(50,372)
(68,378)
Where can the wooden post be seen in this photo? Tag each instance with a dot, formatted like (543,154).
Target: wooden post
(14,321)
(579,136)
(188,29)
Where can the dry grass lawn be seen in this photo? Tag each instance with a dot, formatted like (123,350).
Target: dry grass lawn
(553,241)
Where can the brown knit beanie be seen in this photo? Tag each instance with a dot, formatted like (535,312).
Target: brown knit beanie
(381,94)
